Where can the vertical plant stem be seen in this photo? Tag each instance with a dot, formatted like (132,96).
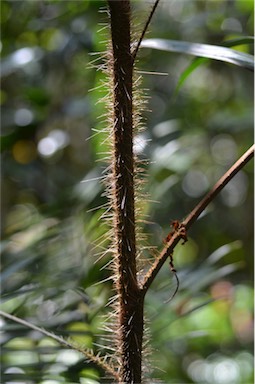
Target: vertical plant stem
(130,299)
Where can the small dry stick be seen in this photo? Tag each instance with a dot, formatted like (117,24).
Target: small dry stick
(172,268)
(100,362)
(182,230)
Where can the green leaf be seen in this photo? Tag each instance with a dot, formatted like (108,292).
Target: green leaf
(18,265)
(223,251)
(202,50)
(239,41)
(187,72)
(202,278)
(201,60)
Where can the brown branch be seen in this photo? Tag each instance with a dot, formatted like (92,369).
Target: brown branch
(195,213)
(193,216)
(145,29)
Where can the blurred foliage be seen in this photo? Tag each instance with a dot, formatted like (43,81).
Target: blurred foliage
(52,233)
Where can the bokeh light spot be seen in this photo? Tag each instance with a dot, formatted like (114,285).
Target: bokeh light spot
(231,24)
(226,372)
(23,117)
(47,146)
(24,151)
(235,191)
(224,149)
(194,183)
(23,56)
(55,140)
(61,137)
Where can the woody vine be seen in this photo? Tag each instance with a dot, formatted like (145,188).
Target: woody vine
(130,283)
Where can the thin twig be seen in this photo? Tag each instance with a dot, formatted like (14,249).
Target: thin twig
(193,216)
(176,288)
(89,355)
(145,29)
(224,180)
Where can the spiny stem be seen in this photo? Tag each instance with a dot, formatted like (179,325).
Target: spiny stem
(130,311)
(89,355)
(193,216)
(145,29)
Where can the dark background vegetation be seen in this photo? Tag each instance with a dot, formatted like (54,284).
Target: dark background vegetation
(53,155)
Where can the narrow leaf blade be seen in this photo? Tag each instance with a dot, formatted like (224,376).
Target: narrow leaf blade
(202,50)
